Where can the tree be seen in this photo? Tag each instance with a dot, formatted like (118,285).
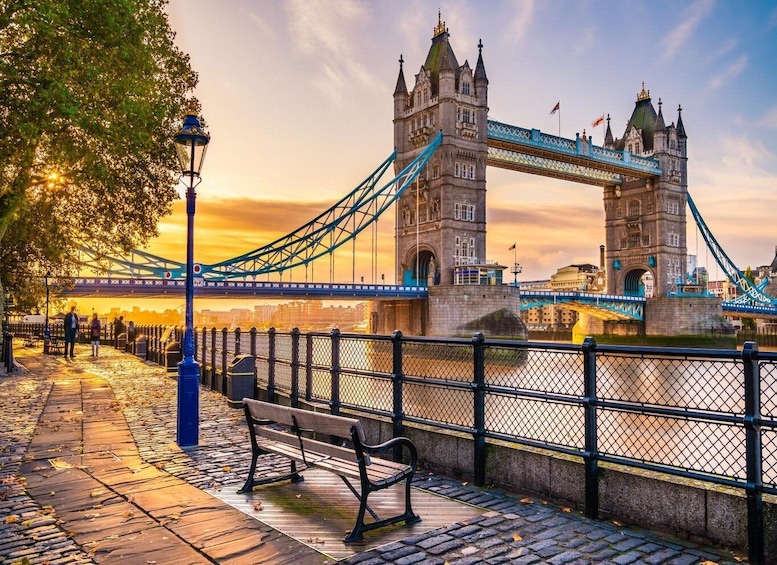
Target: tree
(91,92)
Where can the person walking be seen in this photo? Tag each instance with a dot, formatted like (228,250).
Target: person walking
(94,335)
(71,329)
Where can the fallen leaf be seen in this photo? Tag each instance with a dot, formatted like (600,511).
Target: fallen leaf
(174,516)
(96,492)
(527,501)
(258,506)
(566,509)
(297,496)
(617,523)
(465,483)
(52,493)
(517,537)
(12,519)
(226,469)
(708,563)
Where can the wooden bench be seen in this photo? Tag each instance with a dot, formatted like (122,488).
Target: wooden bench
(298,442)
(56,346)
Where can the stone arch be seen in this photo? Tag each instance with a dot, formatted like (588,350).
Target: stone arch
(426,259)
(634,281)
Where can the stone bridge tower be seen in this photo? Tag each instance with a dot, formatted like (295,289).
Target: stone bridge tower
(645,219)
(441,221)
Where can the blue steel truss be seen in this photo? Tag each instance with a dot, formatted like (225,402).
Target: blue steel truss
(338,225)
(578,160)
(751,294)
(604,306)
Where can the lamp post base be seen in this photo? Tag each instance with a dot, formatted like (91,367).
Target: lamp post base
(187,433)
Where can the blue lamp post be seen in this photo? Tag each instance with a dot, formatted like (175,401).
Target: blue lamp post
(191,142)
(46,330)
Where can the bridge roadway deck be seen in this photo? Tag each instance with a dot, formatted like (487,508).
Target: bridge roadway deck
(91,474)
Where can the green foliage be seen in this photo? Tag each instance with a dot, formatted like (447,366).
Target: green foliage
(91,92)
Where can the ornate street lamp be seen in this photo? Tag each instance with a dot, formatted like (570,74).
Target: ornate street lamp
(191,142)
(46,332)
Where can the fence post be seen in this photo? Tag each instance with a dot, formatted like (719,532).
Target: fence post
(223,380)
(591,451)
(308,367)
(205,373)
(479,396)
(213,358)
(752,423)
(397,378)
(295,367)
(335,371)
(271,365)
(237,342)
(252,351)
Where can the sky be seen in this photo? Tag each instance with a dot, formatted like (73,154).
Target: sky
(297,97)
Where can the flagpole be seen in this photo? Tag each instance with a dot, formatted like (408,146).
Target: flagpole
(559,121)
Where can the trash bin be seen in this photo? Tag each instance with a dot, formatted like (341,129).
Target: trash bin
(173,356)
(140,347)
(121,342)
(240,380)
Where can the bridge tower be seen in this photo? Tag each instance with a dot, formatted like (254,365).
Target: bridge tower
(645,218)
(441,222)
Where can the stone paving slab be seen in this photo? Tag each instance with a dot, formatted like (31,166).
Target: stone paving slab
(141,519)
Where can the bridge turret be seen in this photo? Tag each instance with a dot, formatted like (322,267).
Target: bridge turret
(441,221)
(645,218)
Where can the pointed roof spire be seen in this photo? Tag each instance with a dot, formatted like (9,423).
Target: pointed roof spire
(608,140)
(644,94)
(660,125)
(480,68)
(401,87)
(680,126)
(439,29)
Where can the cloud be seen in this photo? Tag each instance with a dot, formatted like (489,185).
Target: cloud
(770,119)
(772,21)
(728,74)
(689,22)
(323,33)
(518,25)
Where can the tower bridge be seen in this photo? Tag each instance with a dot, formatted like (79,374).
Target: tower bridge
(443,143)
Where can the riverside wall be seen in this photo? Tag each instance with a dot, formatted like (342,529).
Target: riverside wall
(693,510)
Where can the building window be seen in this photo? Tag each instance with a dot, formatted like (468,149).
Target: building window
(634,208)
(465,88)
(673,206)
(634,240)
(455,169)
(646,240)
(673,239)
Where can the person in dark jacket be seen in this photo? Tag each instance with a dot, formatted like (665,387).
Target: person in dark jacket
(71,329)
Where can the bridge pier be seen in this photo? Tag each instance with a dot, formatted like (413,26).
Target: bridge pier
(454,311)
(679,315)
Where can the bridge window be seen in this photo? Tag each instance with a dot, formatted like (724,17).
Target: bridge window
(649,206)
(646,240)
(465,88)
(673,206)
(634,208)
(465,212)
(455,169)
(634,240)
(673,239)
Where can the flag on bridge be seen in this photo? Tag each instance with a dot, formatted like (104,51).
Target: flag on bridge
(511,247)
(556,108)
(598,121)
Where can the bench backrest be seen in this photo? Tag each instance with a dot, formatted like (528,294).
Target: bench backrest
(308,421)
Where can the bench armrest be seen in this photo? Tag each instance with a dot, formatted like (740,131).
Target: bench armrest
(390,444)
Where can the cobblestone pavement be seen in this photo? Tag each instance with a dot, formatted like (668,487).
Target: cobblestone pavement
(516,529)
